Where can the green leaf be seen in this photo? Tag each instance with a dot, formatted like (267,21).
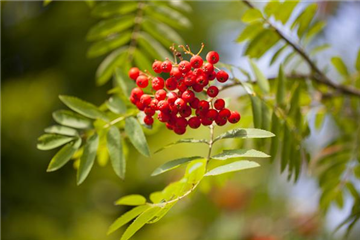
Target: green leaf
(245,133)
(304,19)
(173,164)
(287,142)
(57,129)
(194,173)
(140,221)
(251,15)
(152,46)
(264,41)
(141,60)
(104,46)
(47,2)
(184,140)
(111,26)
(357,64)
(277,54)
(108,9)
(71,119)
(319,49)
(127,217)
(265,116)
(288,58)
(63,155)
(84,108)
(88,157)
(116,153)
(238,153)
(315,29)
(232,167)
(272,7)
(165,209)
(340,66)
(116,105)
(136,135)
(284,11)
(109,64)
(169,16)
(131,200)
(250,31)
(275,128)
(280,92)
(124,82)
(51,141)
(256,110)
(260,78)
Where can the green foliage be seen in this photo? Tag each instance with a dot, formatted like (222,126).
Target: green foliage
(340,66)
(232,167)
(115,148)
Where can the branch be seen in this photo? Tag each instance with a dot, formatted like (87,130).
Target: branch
(318,75)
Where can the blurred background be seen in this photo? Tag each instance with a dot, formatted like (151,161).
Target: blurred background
(43,54)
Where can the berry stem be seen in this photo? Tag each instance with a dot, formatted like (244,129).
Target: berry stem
(202,47)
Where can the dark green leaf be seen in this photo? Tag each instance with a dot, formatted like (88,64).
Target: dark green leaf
(315,29)
(232,167)
(251,15)
(131,200)
(57,129)
(71,119)
(304,19)
(277,54)
(340,66)
(184,140)
(250,31)
(108,9)
(152,46)
(127,217)
(136,135)
(124,82)
(256,110)
(51,141)
(275,128)
(169,16)
(116,153)
(239,153)
(357,63)
(88,157)
(173,164)
(245,133)
(141,60)
(116,105)
(104,46)
(262,43)
(265,116)
(280,92)
(260,78)
(287,142)
(64,155)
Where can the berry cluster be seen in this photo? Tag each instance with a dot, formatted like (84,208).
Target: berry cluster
(177,100)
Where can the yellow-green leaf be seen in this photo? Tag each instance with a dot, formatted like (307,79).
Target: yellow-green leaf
(131,200)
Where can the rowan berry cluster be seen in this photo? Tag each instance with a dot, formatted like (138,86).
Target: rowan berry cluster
(180,100)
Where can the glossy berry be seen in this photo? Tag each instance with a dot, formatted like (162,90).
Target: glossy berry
(234,117)
(184,66)
(185,112)
(196,61)
(195,103)
(137,93)
(224,114)
(134,73)
(212,76)
(163,105)
(175,72)
(190,79)
(145,99)
(212,114)
(194,122)
(219,104)
(179,130)
(166,66)
(206,121)
(220,122)
(157,66)
(208,68)
(197,87)
(148,120)
(188,95)
(172,96)
(163,117)
(171,84)
(212,57)
(222,76)
(149,111)
(157,83)
(204,105)
(212,91)
(180,103)
(160,94)
(142,81)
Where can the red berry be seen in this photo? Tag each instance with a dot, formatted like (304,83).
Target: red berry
(198,72)
(163,117)
(188,95)
(197,87)
(222,76)
(145,99)
(175,72)
(206,121)
(181,85)
(224,114)
(212,57)
(212,91)
(180,103)
(149,111)
(137,93)
(181,122)
(220,122)
(169,126)
(160,94)
(196,61)
(185,112)
(194,122)
(154,104)
(163,105)
(157,66)
(134,73)
(172,96)
(208,68)
(203,105)
(202,80)
(179,130)
(140,106)
(166,66)
(142,81)
(133,100)
(201,113)
(184,66)
(212,75)
(212,114)
(157,83)
(234,117)
(219,104)
(189,79)
(171,84)
(148,120)
(195,103)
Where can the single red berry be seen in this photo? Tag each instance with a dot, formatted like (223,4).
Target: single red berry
(184,66)
(220,122)
(219,104)
(149,111)
(163,105)
(190,79)
(160,94)
(212,75)
(163,117)
(133,100)
(197,87)
(134,73)
(175,72)
(179,130)
(234,117)
(212,114)
(188,95)
(206,121)
(142,81)
(180,103)
(212,57)
(212,91)
(145,99)
(137,93)
(140,106)
(181,122)
(171,83)
(173,109)
(198,72)
(166,66)
(194,122)
(196,61)
(201,113)
(185,112)
(195,103)
(208,68)
(157,66)
(224,114)
(181,85)
(172,96)
(154,104)
(157,83)
(148,120)
(204,105)
(222,76)
(202,80)
(169,126)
